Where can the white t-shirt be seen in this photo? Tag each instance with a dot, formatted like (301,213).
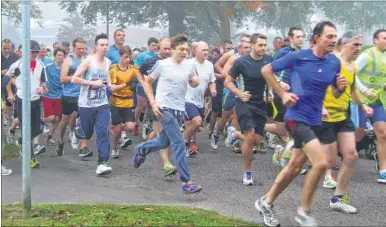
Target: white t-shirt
(172,84)
(205,73)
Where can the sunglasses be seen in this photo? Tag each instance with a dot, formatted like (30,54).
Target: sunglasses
(35,52)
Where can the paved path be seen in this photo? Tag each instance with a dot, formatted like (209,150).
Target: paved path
(68,180)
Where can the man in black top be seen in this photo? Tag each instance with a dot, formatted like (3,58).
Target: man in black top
(164,51)
(251,108)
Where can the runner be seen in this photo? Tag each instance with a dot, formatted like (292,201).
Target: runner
(43,56)
(229,98)
(38,88)
(164,51)
(217,100)
(173,74)
(194,99)
(250,105)
(371,82)
(70,96)
(93,75)
(114,56)
(337,129)
(66,47)
(304,116)
(141,100)
(52,100)
(277,44)
(123,79)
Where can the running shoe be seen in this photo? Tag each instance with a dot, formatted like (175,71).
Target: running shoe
(59,149)
(114,153)
(5,171)
(75,142)
(230,140)
(170,171)
(126,143)
(237,147)
(38,150)
(11,136)
(139,157)
(214,142)
(329,183)
(103,169)
(340,204)
(268,212)
(248,179)
(381,178)
(85,152)
(34,163)
(189,188)
(304,218)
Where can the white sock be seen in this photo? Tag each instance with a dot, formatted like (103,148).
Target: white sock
(327,177)
(382,171)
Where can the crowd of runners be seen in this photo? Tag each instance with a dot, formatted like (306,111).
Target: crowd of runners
(307,104)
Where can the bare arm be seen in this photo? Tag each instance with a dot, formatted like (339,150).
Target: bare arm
(222,61)
(64,77)
(228,65)
(194,82)
(271,79)
(147,84)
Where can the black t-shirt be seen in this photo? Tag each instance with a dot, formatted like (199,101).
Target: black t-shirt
(7,62)
(251,79)
(147,67)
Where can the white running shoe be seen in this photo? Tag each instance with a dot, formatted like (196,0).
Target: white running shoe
(103,169)
(75,142)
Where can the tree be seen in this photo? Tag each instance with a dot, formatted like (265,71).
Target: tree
(363,16)
(12,9)
(75,27)
(283,15)
(186,17)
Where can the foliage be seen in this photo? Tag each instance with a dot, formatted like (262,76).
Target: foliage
(198,19)
(358,15)
(75,27)
(12,9)
(115,215)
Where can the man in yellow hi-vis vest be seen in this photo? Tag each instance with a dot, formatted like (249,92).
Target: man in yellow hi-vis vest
(371,81)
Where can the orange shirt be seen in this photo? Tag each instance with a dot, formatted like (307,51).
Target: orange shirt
(124,97)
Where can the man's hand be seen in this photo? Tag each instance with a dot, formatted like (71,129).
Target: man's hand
(341,83)
(42,91)
(285,86)
(213,92)
(369,93)
(156,109)
(4,71)
(289,99)
(97,83)
(245,96)
(368,110)
(11,98)
(270,96)
(325,113)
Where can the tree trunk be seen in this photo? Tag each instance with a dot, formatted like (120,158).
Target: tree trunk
(225,25)
(176,16)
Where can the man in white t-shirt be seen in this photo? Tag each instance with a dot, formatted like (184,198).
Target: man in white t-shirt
(194,99)
(173,74)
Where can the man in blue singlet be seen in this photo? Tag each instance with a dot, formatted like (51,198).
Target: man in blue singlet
(70,95)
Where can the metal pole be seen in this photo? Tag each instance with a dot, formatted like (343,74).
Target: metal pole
(108,18)
(26,107)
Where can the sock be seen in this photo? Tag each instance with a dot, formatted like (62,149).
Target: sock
(187,144)
(382,171)
(335,198)
(49,137)
(327,177)
(249,175)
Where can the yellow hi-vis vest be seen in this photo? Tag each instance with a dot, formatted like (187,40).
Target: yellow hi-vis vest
(373,76)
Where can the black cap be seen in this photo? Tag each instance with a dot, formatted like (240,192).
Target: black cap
(34,45)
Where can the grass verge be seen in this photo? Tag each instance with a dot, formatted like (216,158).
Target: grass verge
(116,215)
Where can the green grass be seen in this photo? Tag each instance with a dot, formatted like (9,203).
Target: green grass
(116,215)
(10,151)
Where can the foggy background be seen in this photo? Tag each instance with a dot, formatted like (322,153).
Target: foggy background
(212,22)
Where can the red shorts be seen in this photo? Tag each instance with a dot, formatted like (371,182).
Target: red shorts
(52,107)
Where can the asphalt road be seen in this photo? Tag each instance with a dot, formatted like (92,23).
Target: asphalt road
(67,179)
